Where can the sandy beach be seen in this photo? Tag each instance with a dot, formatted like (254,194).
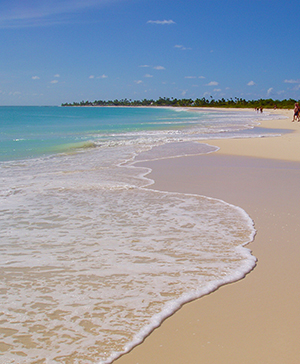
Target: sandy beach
(257,319)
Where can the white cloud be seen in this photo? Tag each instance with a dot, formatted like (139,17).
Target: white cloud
(189,77)
(269,90)
(57,75)
(14,93)
(161,22)
(183,93)
(182,47)
(201,77)
(147,75)
(213,83)
(251,83)
(292,81)
(217,90)
(92,77)
(54,81)
(159,68)
(138,82)
(35,77)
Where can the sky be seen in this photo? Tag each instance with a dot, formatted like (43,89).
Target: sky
(57,51)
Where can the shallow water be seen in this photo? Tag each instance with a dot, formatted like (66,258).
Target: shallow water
(92,260)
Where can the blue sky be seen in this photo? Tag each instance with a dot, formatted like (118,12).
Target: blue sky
(55,51)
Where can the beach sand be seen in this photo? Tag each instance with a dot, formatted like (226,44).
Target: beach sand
(256,319)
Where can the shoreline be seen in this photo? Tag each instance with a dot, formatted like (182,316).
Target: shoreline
(255,319)
(284,147)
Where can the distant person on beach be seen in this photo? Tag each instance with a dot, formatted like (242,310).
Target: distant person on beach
(261,109)
(296,112)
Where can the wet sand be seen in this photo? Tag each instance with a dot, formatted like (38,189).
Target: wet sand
(257,319)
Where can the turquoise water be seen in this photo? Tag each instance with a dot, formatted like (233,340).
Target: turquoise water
(35,131)
(28,132)
(91,258)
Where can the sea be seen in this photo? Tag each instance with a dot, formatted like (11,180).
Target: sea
(92,258)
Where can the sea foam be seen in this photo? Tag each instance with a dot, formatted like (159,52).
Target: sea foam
(92,261)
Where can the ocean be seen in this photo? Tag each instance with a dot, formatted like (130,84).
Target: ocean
(92,258)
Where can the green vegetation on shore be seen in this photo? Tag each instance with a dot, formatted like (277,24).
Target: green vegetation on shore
(163,101)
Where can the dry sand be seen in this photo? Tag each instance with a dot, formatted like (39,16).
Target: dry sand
(257,319)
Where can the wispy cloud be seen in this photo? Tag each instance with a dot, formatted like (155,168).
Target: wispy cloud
(292,81)
(269,91)
(147,75)
(57,75)
(91,77)
(181,47)
(251,83)
(138,82)
(35,77)
(161,22)
(20,13)
(190,77)
(158,68)
(54,81)
(213,83)
(296,84)
(14,93)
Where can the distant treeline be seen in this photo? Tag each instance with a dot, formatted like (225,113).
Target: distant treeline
(164,101)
